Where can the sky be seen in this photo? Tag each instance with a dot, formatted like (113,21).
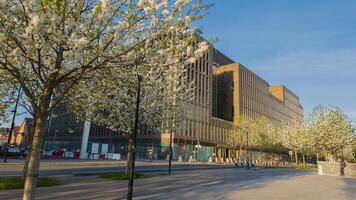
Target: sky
(308,46)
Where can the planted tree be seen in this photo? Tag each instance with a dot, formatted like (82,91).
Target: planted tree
(293,135)
(263,136)
(333,131)
(238,136)
(110,98)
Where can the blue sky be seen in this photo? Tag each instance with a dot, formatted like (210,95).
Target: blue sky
(309,46)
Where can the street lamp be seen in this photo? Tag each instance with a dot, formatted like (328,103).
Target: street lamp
(132,164)
(247,151)
(7,146)
(54,139)
(50,118)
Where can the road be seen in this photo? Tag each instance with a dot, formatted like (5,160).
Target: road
(70,167)
(224,184)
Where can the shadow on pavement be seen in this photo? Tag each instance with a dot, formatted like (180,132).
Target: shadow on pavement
(198,184)
(349,187)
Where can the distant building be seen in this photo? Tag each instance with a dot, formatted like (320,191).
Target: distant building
(224,90)
(4,135)
(21,134)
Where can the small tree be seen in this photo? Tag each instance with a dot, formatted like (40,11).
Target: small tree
(293,135)
(238,135)
(110,99)
(263,134)
(333,131)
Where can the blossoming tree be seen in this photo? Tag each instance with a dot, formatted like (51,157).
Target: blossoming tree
(110,98)
(333,131)
(294,135)
(263,135)
(49,46)
(239,133)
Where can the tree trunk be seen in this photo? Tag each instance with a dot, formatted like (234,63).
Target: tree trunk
(296,157)
(303,160)
(239,153)
(25,167)
(129,154)
(34,153)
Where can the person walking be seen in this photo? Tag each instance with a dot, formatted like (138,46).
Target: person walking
(342,167)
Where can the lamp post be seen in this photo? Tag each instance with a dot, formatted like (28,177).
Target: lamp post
(54,139)
(170,151)
(132,164)
(50,118)
(19,92)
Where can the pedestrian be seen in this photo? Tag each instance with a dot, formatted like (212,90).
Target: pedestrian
(247,165)
(342,167)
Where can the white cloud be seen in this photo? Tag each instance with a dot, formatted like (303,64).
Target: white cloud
(309,62)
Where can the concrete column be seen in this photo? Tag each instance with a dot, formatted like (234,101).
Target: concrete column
(219,156)
(85,138)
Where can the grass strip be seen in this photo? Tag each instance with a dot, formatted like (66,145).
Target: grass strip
(8,183)
(122,176)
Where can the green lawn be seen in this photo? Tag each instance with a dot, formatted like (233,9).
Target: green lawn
(122,176)
(17,182)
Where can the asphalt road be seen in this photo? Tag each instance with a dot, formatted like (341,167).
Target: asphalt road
(65,167)
(227,184)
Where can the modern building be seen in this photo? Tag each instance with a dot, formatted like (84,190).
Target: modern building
(223,89)
(240,92)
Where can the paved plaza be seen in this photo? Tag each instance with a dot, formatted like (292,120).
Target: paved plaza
(213,184)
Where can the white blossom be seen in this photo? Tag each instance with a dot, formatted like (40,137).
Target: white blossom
(165,12)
